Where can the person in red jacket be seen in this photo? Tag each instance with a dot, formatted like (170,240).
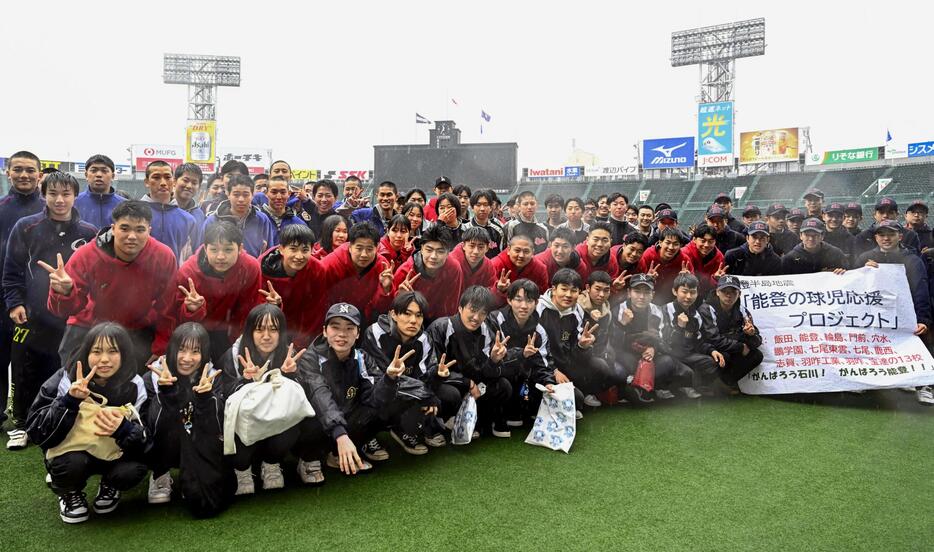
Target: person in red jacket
(442,186)
(433,273)
(124,276)
(218,285)
(664,262)
(560,253)
(397,244)
(470,256)
(595,252)
(518,260)
(705,257)
(354,273)
(292,280)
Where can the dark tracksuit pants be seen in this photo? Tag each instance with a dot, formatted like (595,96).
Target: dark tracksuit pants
(6,342)
(592,375)
(669,373)
(33,360)
(70,472)
(271,450)
(737,366)
(705,368)
(363,422)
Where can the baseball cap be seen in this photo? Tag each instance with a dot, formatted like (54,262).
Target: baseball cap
(345,311)
(666,214)
(776,209)
(885,204)
(727,281)
(662,206)
(918,205)
(888,225)
(751,210)
(642,280)
(715,211)
(812,224)
(796,213)
(441,180)
(835,208)
(814,192)
(853,207)
(723,197)
(757,227)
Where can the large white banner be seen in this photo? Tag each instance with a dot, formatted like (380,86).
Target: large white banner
(825,332)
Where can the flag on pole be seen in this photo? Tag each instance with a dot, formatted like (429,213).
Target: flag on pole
(486,116)
(888,135)
(421,120)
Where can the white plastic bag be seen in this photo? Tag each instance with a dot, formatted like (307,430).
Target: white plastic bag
(465,421)
(556,424)
(264,408)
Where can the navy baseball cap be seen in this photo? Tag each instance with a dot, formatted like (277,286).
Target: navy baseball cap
(345,311)
(642,280)
(885,204)
(752,210)
(796,213)
(777,209)
(918,205)
(757,227)
(728,281)
(715,211)
(835,208)
(723,197)
(853,207)
(662,206)
(667,214)
(442,180)
(812,224)
(888,225)
(814,192)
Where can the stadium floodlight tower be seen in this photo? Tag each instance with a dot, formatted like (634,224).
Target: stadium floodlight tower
(202,74)
(715,49)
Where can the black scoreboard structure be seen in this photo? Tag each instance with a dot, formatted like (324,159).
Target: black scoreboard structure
(492,165)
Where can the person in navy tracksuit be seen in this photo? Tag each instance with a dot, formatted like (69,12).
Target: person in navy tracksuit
(188,178)
(97,202)
(170,225)
(57,230)
(259,233)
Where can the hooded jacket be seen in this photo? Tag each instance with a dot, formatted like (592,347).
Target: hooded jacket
(483,275)
(439,290)
(800,261)
(386,250)
(534,368)
(699,336)
(278,223)
(667,272)
(471,349)
(137,294)
(704,267)
(607,263)
(228,297)
(302,294)
(742,262)
(172,226)
(915,271)
(259,233)
(54,412)
(336,387)
(563,328)
(551,266)
(343,282)
(96,208)
(39,238)
(534,271)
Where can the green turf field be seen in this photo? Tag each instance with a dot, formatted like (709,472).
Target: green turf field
(846,472)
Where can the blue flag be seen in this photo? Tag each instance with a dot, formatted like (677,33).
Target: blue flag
(485,115)
(888,135)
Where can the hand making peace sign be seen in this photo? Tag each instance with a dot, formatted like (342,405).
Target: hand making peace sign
(444,368)
(59,280)
(291,361)
(79,389)
(587,338)
(193,301)
(499,347)
(397,367)
(272,297)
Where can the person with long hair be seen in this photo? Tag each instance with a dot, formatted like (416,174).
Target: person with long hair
(86,421)
(333,235)
(415,213)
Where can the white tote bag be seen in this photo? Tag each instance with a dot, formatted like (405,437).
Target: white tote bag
(556,424)
(264,408)
(465,421)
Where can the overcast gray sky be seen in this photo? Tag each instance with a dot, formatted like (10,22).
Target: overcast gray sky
(323,82)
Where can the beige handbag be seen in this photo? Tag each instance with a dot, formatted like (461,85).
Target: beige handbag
(81,437)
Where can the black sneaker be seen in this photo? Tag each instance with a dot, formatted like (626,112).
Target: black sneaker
(73,507)
(106,500)
(374,451)
(409,443)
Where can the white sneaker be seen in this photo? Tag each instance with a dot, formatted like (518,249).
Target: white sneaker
(664,394)
(18,440)
(514,423)
(160,489)
(271,474)
(436,440)
(690,392)
(244,482)
(578,415)
(310,472)
(48,480)
(591,400)
(926,395)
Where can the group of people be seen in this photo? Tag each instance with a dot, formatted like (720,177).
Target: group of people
(136,326)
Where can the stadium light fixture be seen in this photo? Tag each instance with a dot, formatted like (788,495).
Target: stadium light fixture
(715,49)
(202,74)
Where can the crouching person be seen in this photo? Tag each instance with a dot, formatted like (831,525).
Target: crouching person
(639,336)
(86,420)
(349,401)
(479,349)
(262,346)
(399,335)
(738,337)
(185,421)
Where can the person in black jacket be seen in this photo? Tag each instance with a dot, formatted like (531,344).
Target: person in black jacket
(347,391)
(619,226)
(262,346)
(638,335)
(836,234)
(916,219)
(691,335)
(399,335)
(67,413)
(185,410)
(56,230)
(852,217)
(738,338)
(812,254)
(780,238)
(727,238)
(886,209)
(725,202)
(479,349)
(527,356)
(755,257)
